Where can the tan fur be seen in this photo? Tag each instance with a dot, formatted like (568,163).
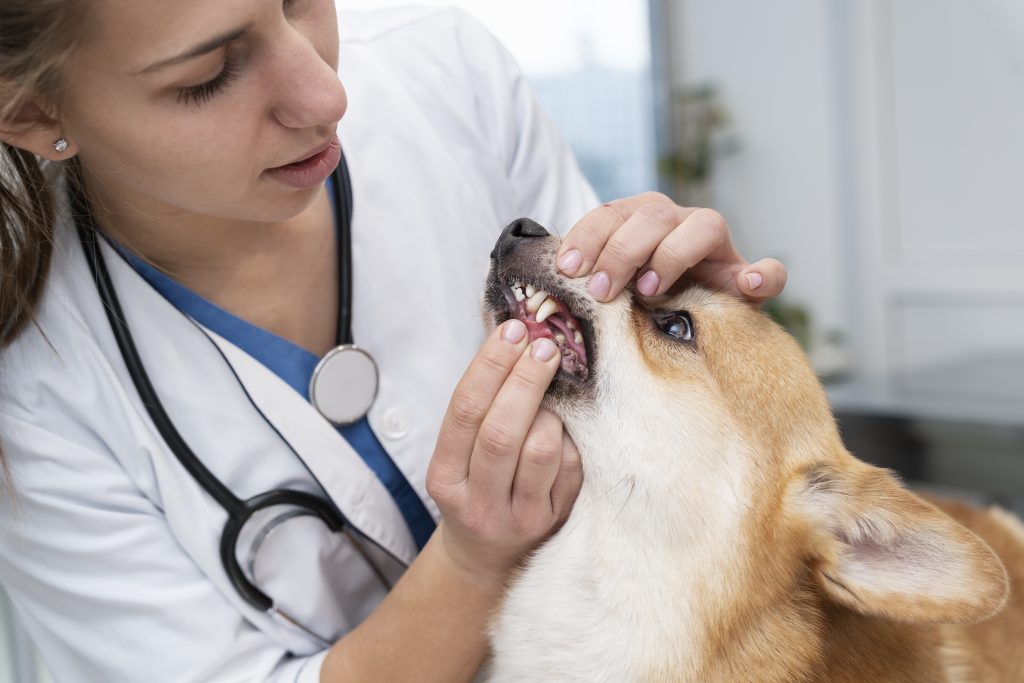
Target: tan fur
(832,571)
(995,646)
(770,387)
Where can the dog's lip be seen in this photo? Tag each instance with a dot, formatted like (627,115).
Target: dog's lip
(505,283)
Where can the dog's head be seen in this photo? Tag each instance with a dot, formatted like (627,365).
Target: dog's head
(713,414)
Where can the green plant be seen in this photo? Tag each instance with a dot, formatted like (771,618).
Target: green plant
(701,126)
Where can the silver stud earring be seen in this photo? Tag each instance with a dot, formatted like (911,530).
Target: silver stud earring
(61,145)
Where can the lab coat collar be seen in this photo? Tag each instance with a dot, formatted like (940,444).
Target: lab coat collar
(186,369)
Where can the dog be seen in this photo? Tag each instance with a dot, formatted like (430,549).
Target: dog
(723,533)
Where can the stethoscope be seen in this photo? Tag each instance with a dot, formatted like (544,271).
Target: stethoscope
(344,383)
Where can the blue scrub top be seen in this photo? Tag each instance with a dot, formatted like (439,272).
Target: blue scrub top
(294,365)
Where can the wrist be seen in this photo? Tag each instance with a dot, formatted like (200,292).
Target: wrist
(454,560)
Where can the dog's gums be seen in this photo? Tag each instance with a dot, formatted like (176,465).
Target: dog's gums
(546,316)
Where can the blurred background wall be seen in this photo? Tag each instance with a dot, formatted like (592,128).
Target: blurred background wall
(872,146)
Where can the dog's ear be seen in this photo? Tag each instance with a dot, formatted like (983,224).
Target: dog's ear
(883,551)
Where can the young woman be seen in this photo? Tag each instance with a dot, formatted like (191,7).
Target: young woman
(184,245)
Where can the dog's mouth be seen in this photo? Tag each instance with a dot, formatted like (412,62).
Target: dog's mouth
(546,316)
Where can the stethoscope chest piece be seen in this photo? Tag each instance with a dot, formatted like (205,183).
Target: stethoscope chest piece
(344,384)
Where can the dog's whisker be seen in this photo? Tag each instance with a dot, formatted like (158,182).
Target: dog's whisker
(632,487)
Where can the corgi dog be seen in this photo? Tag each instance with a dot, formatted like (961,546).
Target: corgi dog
(723,533)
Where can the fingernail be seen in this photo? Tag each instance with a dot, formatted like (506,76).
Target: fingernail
(543,349)
(514,331)
(570,261)
(599,285)
(648,283)
(755,280)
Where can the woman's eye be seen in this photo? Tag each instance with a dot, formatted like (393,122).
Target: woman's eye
(198,94)
(676,325)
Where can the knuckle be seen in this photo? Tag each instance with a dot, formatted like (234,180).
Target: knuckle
(527,380)
(571,460)
(436,492)
(465,412)
(659,212)
(711,220)
(655,196)
(618,251)
(496,440)
(613,209)
(542,451)
(674,253)
(491,362)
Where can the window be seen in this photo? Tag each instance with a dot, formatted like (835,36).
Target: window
(590,65)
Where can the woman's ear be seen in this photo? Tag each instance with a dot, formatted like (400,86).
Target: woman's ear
(883,551)
(33,129)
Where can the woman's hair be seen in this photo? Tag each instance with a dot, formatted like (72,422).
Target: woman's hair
(37,38)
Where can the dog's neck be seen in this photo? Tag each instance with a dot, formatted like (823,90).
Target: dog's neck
(622,521)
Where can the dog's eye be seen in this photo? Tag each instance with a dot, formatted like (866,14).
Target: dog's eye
(676,325)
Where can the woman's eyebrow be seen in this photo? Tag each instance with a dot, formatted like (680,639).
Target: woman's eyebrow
(198,50)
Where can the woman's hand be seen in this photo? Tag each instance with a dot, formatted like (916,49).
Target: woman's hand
(651,234)
(504,472)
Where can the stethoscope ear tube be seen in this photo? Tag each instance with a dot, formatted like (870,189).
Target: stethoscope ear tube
(238,511)
(343,200)
(235,508)
(115,315)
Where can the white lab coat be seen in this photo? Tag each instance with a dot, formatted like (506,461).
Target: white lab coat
(110,553)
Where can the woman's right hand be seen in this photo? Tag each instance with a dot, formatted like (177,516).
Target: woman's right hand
(504,473)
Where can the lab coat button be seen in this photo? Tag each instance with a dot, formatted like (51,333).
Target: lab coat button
(396,423)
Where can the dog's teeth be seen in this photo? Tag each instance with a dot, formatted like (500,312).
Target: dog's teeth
(535,300)
(578,337)
(518,293)
(547,308)
(530,290)
(571,325)
(517,285)
(559,337)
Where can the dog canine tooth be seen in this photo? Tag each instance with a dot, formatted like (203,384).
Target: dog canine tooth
(547,308)
(535,300)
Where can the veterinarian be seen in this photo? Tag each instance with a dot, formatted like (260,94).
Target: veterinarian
(237,298)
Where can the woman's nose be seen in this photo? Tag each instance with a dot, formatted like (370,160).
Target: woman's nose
(307,91)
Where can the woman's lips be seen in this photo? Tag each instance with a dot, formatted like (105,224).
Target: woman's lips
(311,171)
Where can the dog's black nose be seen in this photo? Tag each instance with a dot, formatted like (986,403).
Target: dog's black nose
(514,232)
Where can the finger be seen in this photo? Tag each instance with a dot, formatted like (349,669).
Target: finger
(471,399)
(586,239)
(581,247)
(704,235)
(568,481)
(538,466)
(762,280)
(500,439)
(630,247)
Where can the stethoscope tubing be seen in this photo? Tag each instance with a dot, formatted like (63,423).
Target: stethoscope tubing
(239,511)
(343,202)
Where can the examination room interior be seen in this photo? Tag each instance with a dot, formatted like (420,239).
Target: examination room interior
(874,147)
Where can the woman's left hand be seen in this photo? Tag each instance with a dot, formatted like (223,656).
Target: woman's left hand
(650,236)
